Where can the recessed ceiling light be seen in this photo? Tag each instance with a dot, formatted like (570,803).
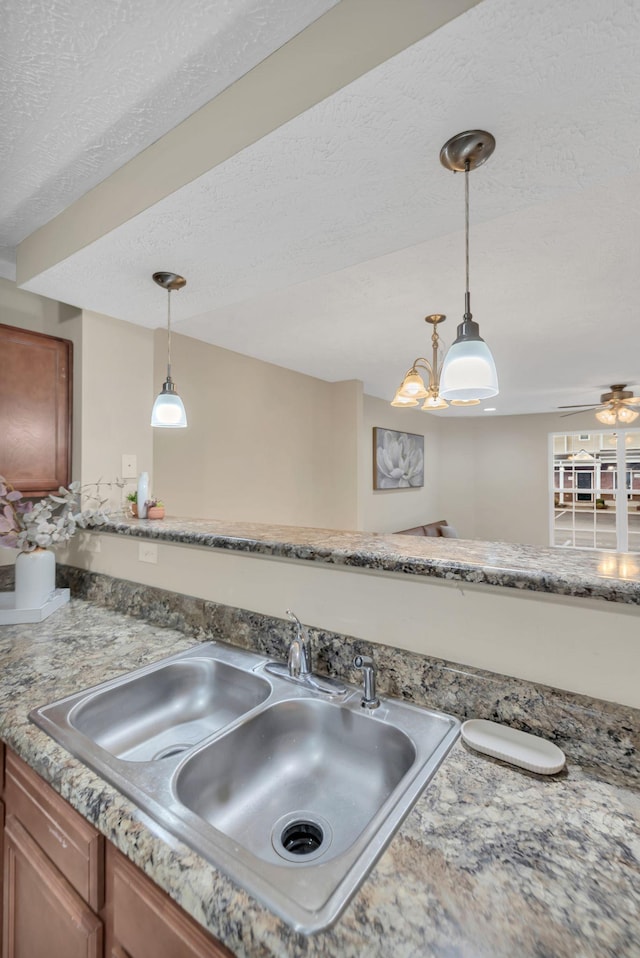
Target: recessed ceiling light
(490,409)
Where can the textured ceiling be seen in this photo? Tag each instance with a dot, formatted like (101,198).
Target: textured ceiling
(87,86)
(322,246)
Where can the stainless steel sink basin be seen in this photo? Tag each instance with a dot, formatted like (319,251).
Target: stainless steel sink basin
(308,760)
(167,710)
(294,794)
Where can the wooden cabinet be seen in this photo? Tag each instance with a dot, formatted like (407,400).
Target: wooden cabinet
(70,894)
(35,410)
(143,922)
(73,846)
(43,916)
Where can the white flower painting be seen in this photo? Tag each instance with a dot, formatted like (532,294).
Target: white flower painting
(398,459)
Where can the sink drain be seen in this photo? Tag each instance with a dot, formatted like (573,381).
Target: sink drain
(301,836)
(170,751)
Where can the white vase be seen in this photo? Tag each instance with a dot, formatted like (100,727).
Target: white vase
(35,578)
(143,494)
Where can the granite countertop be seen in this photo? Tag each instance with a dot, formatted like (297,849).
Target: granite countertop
(611,576)
(493,862)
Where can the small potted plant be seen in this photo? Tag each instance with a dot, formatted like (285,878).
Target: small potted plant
(155,509)
(601,504)
(132,499)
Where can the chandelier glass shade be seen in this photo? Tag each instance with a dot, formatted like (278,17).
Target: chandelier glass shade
(168,410)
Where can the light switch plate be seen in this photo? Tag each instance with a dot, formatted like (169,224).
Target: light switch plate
(147,552)
(129,466)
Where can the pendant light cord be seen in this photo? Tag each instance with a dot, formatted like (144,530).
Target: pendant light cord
(169,334)
(466,236)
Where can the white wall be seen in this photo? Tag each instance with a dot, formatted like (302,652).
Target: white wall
(117,397)
(554,640)
(389,510)
(493,475)
(264,444)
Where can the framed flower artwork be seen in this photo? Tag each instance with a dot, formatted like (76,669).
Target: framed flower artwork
(398,459)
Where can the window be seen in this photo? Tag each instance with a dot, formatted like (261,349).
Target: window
(595,490)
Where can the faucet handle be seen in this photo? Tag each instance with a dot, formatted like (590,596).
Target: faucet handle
(294,617)
(299,650)
(366,664)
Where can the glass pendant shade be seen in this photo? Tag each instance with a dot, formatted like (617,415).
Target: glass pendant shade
(468,371)
(168,409)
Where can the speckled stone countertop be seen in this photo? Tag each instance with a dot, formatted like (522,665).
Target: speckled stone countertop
(493,862)
(610,576)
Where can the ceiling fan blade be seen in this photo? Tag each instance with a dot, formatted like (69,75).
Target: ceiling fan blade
(587,405)
(576,412)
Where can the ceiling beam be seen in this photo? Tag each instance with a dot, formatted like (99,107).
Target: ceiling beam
(349,40)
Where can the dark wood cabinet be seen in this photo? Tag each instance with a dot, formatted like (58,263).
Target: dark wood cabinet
(35,410)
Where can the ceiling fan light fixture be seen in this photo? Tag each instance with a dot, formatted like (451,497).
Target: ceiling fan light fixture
(627,415)
(607,417)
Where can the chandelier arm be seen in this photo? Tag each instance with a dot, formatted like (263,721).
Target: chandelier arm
(423,363)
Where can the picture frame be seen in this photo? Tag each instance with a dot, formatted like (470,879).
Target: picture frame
(398,459)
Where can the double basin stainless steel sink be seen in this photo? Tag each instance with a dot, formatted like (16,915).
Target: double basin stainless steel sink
(291,792)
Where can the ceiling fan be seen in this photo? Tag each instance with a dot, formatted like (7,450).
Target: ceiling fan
(614,406)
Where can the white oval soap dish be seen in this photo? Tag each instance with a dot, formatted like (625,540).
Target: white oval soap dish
(510,745)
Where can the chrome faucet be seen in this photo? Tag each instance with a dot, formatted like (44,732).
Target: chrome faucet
(298,667)
(367,666)
(299,663)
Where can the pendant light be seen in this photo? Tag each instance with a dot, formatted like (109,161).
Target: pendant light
(468,372)
(168,410)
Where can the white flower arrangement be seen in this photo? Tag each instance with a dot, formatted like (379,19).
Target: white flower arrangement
(27,525)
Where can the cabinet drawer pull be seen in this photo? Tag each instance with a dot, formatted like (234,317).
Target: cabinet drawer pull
(58,837)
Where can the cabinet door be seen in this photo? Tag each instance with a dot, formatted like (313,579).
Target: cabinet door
(74,846)
(35,423)
(1,861)
(43,916)
(143,922)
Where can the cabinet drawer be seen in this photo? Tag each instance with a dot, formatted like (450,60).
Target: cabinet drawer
(44,917)
(72,844)
(147,923)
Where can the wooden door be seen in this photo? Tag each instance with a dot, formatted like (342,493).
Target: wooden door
(35,410)
(43,916)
